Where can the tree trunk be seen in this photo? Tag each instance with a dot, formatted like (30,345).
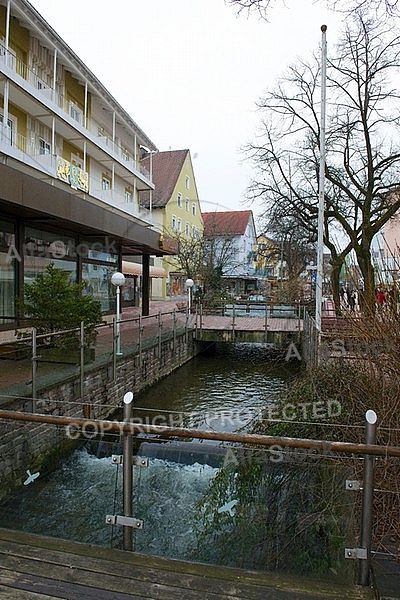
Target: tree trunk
(367,271)
(337,264)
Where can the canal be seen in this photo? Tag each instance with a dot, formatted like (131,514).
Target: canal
(225,389)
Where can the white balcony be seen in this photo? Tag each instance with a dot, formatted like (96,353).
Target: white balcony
(72,112)
(31,153)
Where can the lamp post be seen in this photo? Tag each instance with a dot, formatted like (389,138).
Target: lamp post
(118,279)
(189,283)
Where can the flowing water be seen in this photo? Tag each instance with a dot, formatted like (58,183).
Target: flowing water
(224,390)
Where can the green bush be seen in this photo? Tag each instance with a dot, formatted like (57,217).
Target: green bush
(52,303)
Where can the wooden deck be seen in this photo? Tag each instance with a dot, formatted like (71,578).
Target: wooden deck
(40,568)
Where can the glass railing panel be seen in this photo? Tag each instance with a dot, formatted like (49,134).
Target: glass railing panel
(200,502)
(254,509)
(276,509)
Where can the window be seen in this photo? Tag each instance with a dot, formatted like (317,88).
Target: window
(173,223)
(187,229)
(195,233)
(11,128)
(42,85)
(179,225)
(128,195)
(187,182)
(105,183)
(194,210)
(74,111)
(179,200)
(187,204)
(44,147)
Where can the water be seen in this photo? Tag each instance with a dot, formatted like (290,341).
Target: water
(224,390)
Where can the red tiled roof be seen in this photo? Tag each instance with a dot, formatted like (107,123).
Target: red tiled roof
(167,167)
(226,223)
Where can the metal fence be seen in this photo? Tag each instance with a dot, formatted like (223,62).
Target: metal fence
(33,357)
(244,500)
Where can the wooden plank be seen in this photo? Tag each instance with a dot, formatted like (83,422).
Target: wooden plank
(54,588)
(158,577)
(7,593)
(146,584)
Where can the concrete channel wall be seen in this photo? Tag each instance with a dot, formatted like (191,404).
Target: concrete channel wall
(38,447)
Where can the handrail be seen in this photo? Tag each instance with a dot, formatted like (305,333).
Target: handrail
(183,432)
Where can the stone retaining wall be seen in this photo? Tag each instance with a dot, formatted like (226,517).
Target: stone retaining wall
(38,447)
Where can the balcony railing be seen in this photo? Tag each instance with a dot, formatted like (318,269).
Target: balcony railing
(28,150)
(73,109)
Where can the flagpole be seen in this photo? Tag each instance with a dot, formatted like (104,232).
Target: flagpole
(321,195)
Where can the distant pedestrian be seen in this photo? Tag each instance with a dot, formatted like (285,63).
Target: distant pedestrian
(352,300)
(380,298)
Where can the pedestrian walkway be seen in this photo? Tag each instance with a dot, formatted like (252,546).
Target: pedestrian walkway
(19,372)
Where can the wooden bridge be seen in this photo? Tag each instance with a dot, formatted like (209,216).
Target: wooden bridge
(260,324)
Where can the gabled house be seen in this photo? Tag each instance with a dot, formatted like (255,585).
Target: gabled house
(176,212)
(230,238)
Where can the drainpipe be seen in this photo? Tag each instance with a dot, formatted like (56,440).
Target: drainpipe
(8,16)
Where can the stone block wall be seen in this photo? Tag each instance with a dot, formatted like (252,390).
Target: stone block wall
(38,447)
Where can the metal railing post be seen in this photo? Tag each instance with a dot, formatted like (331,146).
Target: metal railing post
(266,323)
(34,368)
(140,340)
(159,337)
(82,361)
(367,499)
(114,348)
(174,330)
(127,473)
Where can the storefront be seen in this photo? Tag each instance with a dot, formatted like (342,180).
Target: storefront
(41,224)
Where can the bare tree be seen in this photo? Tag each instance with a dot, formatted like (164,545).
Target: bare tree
(190,257)
(264,7)
(362,143)
(294,246)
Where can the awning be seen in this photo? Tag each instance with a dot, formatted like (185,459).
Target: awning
(132,268)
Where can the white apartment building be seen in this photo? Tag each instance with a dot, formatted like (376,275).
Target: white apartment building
(70,166)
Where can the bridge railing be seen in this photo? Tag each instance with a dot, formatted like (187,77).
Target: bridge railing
(245,500)
(255,309)
(33,358)
(234,317)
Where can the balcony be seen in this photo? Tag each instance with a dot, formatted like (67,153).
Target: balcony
(71,112)
(32,153)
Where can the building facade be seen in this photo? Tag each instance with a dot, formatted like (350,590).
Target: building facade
(70,166)
(230,238)
(176,214)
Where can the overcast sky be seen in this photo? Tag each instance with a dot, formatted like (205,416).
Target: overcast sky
(190,72)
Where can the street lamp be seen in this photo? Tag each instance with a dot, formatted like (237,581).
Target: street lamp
(118,279)
(189,283)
